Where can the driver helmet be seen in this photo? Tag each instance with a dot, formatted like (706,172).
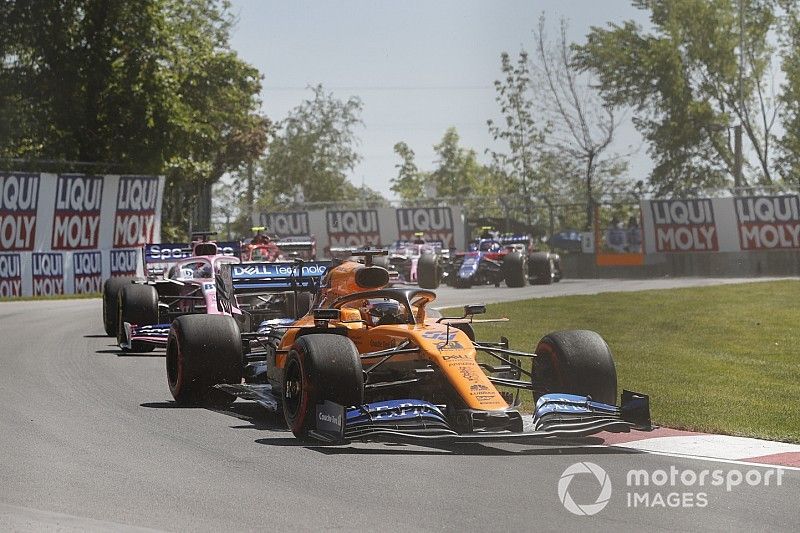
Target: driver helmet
(203,272)
(382,312)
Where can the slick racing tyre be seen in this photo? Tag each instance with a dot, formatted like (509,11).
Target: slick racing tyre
(111,289)
(319,367)
(428,271)
(515,269)
(203,351)
(575,362)
(137,304)
(541,268)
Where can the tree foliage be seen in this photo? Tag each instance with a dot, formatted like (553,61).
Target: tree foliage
(581,127)
(682,79)
(410,182)
(143,86)
(519,131)
(312,151)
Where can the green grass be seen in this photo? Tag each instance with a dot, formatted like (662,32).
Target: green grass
(56,297)
(722,359)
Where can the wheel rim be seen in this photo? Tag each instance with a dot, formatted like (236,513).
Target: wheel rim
(293,388)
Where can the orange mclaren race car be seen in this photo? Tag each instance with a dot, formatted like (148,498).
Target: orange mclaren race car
(377,363)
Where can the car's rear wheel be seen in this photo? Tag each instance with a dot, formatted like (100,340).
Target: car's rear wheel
(541,268)
(575,362)
(319,367)
(428,271)
(137,304)
(203,351)
(515,269)
(111,289)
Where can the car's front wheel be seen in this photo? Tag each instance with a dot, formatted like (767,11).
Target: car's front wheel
(575,362)
(319,367)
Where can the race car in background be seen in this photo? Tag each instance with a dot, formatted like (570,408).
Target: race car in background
(405,257)
(262,247)
(374,363)
(179,280)
(494,259)
(282,291)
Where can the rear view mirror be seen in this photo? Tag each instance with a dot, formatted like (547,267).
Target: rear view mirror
(474,309)
(326,314)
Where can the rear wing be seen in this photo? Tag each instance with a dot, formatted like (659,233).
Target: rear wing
(267,277)
(159,257)
(514,239)
(283,276)
(296,244)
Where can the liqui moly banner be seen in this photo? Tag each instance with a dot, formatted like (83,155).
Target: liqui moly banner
(47,274)
(138,211)
(435,223)
(10,275)
(19,195)
(684,225)
(293,224)
(768,222)
(353,229)
(66,233)
(87,272)
(76,216)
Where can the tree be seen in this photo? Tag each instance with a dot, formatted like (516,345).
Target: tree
(581,127)
(312,151)
(519,131)
(144,86)
(684,81)
(410,182)
(790,98)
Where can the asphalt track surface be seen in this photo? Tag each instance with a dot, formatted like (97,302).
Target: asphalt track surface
(91,441)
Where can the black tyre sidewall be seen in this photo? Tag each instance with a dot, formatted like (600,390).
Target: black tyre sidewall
(428,273)
(138,304)
(203,351)
(515,270)
(111,289)
(577,362)
(330,369)
(542,268)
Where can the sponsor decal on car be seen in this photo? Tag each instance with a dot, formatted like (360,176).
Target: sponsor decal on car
(87,271)
(76,217)
(47,274)
(135,218)
(19,195)
(277,270)
(10,275)
(768,222)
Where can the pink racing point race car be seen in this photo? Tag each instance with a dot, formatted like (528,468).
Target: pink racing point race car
(418,261)
(180,281)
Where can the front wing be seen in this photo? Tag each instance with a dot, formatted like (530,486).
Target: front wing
(556,415)
(156,334)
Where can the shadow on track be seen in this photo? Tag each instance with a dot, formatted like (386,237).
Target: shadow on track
(476,449)
(259,418)
(120,353)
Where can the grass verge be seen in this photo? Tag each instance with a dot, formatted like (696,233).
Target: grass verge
(722,359)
